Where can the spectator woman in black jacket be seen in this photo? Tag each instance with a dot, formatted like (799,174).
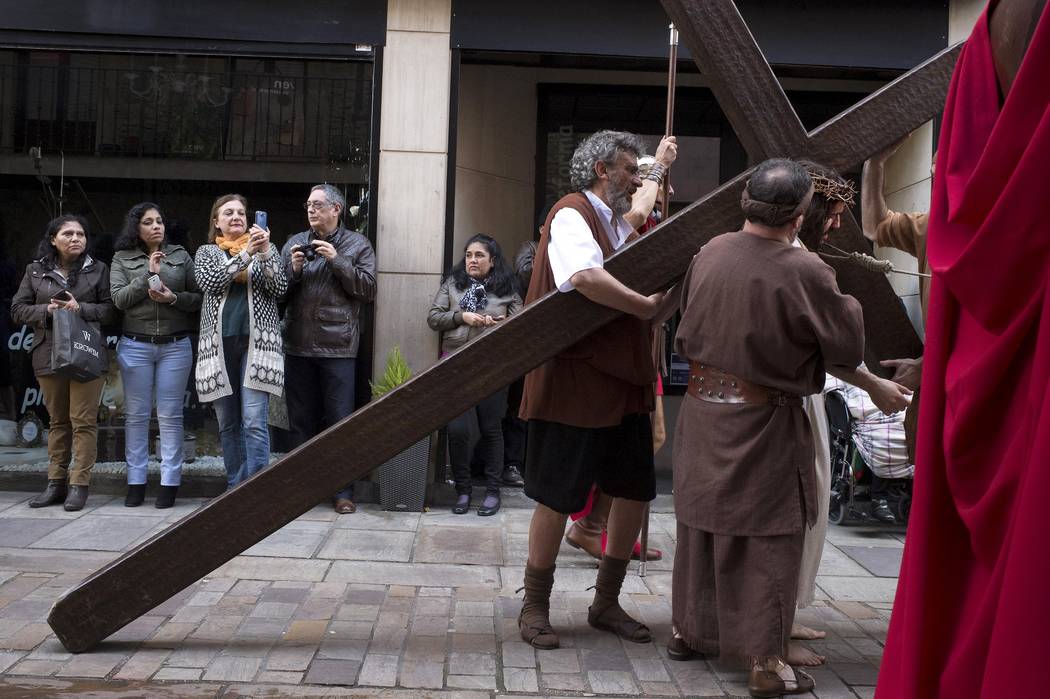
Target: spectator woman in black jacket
(479,293)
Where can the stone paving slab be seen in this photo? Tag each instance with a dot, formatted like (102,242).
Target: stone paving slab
(99,533)
(878,560)
(314,611)
(23,532)
(464,545)
(300,539)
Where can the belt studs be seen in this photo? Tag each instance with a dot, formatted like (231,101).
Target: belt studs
(721,395)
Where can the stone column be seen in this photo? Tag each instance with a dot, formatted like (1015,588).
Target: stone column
(413,161)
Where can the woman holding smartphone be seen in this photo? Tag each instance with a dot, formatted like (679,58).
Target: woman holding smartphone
(65,276)
(479,293)
(240,360)
(152,283)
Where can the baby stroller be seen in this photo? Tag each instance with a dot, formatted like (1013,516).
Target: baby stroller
(850,477)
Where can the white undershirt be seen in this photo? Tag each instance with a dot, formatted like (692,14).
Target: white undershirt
(572,247)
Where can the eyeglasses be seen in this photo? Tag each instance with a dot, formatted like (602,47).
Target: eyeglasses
(316,205)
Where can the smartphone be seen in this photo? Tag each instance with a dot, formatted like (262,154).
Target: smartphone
(261,220)
(154,282)
(62,296)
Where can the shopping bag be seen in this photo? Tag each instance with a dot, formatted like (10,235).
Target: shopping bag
(76,347)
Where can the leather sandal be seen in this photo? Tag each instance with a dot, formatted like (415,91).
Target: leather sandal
(534,623)
(767,683)
(605,611)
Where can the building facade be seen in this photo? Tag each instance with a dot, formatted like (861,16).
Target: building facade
(438,118)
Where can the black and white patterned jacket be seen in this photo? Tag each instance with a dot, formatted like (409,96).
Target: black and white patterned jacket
(214,271)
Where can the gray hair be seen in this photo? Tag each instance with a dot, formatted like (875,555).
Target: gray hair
(332,194)
(603,146)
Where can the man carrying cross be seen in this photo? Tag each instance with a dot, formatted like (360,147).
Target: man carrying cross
(588,408)
(761,319)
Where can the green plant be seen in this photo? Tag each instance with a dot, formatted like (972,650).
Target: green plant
(396,373)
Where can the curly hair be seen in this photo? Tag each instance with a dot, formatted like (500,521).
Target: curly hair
(812,231)
(500,281)
(128,238)
(603,146)
(47,253)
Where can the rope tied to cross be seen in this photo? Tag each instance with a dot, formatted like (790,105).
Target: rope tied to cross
(868,262)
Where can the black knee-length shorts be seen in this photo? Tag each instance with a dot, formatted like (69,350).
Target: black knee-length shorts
(562,462)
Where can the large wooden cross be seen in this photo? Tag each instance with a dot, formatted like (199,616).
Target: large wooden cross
(756,105)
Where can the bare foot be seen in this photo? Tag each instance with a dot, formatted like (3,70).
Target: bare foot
(805,633)
(801,654)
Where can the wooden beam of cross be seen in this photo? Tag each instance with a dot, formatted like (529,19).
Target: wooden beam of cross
(767,125)
(228,525)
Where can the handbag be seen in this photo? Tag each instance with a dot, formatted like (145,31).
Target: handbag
(76,347)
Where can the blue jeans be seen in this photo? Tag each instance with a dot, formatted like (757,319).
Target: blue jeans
(243,432)
(149,370)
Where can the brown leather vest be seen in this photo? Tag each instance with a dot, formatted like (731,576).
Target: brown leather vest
(605,376)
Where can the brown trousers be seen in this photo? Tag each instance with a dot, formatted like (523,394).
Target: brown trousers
(734,596)
(73,408)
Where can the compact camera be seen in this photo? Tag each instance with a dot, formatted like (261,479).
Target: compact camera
(308,250)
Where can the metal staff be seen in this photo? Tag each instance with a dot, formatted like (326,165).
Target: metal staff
(672,72)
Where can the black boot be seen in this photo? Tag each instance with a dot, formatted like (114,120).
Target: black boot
(166,496)
(54,493)
(136,494)
(77,497)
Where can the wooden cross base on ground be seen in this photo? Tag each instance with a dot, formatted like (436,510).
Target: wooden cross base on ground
(757,107)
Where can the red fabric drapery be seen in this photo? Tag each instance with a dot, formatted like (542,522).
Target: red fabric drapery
(972,606)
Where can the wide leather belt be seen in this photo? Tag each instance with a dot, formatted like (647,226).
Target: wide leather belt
(716,386)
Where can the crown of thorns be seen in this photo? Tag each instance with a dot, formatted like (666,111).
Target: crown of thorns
(843,191)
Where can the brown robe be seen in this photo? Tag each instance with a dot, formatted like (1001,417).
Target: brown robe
(772,314)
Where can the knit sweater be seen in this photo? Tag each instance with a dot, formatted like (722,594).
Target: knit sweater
(267,284)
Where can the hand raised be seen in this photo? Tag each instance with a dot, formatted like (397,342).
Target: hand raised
(154,261)
(667,151)
(258,240)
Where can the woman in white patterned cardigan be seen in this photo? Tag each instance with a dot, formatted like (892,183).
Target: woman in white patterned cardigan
(240,360)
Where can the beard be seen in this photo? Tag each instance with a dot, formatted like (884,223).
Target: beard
(619,200)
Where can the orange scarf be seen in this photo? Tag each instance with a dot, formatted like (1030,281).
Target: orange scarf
(233,248)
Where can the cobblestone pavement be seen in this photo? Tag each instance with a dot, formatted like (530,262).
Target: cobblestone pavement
(393,605)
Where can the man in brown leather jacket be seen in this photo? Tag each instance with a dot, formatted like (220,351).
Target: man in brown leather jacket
(331,274)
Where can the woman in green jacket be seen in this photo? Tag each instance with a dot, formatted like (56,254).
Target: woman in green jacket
(152,282)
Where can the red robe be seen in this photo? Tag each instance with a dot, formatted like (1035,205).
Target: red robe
(972,607)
